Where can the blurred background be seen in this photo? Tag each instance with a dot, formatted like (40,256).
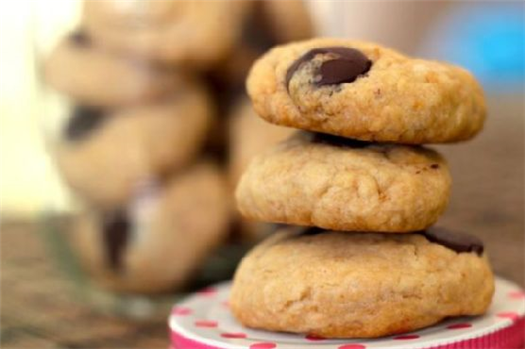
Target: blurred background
(124,127)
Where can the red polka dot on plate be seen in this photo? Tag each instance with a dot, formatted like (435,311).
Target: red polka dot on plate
(313,338)
(352,346)
(181,311)
(263,346)
(517,295)
(205,324)
(226,303)
(207,291)
(459,326)
(233,335)
(511,315)
(407,337)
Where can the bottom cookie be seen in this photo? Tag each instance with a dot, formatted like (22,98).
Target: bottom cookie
(360,285)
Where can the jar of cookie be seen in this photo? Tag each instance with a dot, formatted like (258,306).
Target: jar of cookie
(147,122)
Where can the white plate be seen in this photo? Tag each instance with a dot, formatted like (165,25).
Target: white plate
(203,320)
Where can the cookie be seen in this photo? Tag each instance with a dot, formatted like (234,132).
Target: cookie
(155,242)
(364,91)
(348,185)
(360,285)
(94,77)
(102,154)
(197,33)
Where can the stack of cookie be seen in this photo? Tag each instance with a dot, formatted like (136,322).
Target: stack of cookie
(358,194)
(144,147)
(131,150)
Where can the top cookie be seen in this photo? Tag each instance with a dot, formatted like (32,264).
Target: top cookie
(367,92)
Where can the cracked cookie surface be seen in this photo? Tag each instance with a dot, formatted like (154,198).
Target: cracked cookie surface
(356,285)
(364,91)
(341,184)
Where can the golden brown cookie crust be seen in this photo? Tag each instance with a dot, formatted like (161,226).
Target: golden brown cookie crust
(399,99)
(356,285)
(379,187)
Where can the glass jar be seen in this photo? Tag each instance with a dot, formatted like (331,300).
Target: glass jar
(146,119)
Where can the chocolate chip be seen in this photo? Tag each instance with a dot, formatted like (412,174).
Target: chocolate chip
(115,232)
(457,241)
(80,38)
(83,121)
(332,140)
(346,65)
(435,166)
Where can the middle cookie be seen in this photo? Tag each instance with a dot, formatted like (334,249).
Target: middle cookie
(347,185)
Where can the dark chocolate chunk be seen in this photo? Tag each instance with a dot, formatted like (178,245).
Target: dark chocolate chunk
(332,140)
(83,121)
(115,231)
(80,38)
(346,65)
(457,241)
(435,166)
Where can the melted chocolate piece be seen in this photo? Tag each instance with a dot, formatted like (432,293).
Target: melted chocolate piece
(83,121)
(332,140)
(80,38)
(115,231)
(347,65)
(457,241)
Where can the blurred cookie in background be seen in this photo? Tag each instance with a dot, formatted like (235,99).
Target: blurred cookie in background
(194,33)
(288,20)
(102,154)
(92,76)
(250,136)
(265,25)
(156,241)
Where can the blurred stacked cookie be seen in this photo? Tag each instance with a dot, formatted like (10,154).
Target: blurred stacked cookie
(365,261)
(146,146)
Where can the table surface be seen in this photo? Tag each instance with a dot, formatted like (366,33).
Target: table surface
(38,310)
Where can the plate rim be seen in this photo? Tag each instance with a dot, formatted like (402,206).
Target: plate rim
(476,334)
